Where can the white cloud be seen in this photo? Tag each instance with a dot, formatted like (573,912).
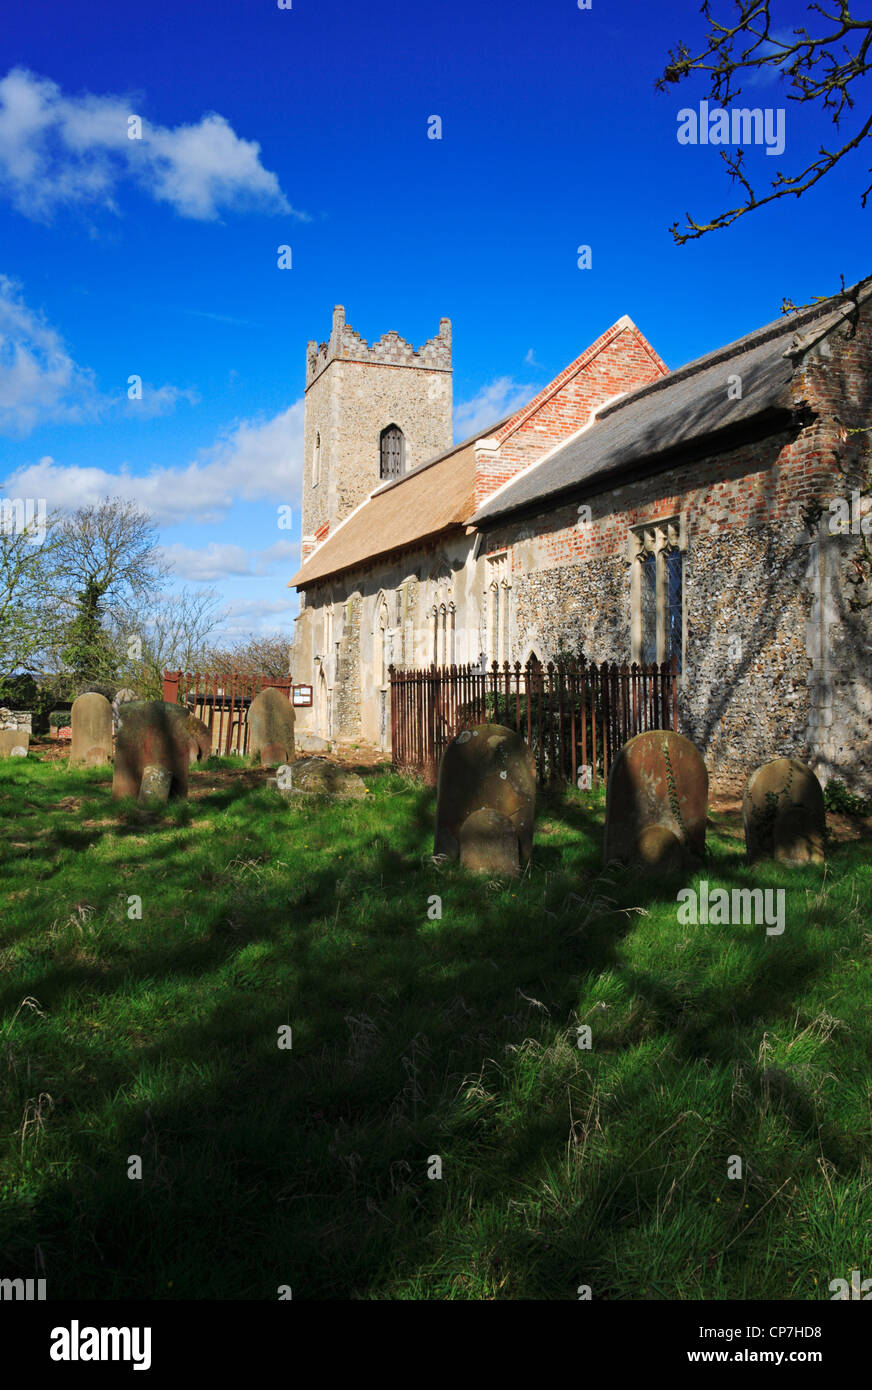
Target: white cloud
(66,151)
(253,461)
(39,380)
(277,557)
(492,403)
(216,561)
(530,358)
(155,400)
(38,377)
(212,562)
(240,608)
(258,618)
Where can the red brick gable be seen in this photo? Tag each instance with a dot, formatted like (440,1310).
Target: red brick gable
(620,360)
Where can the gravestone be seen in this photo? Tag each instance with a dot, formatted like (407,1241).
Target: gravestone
(271,727)
(95,688)
(656,803)
(91,723)
(124,696)
(152,734)
(489,844)
(312,743)
(14,743)
(783,813)
(488,768)
(318,777)
(201,738)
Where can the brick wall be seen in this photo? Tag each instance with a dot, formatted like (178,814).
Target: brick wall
(621,360)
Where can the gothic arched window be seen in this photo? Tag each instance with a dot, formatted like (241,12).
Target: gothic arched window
(393,453)
(656,589)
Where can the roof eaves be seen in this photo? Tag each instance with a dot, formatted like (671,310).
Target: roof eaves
(652,463)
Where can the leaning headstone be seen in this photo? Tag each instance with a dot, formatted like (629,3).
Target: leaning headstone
(153,734)
(271,727)
(318,777)
(91,723)
(656,803)
(784,814)
(312,743)
(488,768)
(489,844)
(14,743)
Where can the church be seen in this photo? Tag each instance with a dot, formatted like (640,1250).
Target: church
(626,513)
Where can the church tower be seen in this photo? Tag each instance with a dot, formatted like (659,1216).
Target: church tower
(372,413)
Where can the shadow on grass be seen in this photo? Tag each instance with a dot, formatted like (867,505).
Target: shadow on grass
(309,1166)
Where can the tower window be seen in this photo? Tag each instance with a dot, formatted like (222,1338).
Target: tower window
(393,453)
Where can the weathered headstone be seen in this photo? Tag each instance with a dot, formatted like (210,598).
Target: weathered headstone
(91,722)
(95,688)
(318,777)
(489,844)
(783,813)
(14,743)
(124,696)
(271,727)
(201,738)
(488,768)
(312,743)
(152,734)
(272,755)
(656,803)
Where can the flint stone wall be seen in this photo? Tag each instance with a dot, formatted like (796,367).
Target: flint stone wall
(13,719)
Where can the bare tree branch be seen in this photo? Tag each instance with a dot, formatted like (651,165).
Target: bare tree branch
(824,68)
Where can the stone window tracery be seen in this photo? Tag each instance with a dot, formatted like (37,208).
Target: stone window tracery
(656,555)
(497,607)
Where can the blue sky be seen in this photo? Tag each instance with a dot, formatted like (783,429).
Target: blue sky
(308,127)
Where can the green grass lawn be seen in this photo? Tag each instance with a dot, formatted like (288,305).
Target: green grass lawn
(455,1037)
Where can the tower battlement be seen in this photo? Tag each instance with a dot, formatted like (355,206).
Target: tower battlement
(391,350)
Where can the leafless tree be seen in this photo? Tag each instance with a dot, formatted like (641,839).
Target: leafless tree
(32,589)
(268,656)
(823,65)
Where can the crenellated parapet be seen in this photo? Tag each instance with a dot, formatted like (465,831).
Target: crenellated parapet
(391,350)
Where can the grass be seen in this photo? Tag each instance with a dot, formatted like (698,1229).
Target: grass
(415,1037)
